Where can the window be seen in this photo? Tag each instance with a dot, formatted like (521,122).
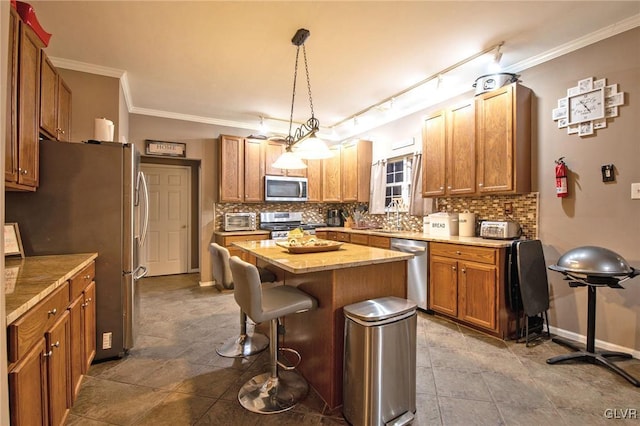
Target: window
(398,182)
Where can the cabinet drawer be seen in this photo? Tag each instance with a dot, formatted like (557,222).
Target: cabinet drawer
(343,236)
(26,330)
(82,279)
(360,239)
(227,241)
(464,252)
(380,242)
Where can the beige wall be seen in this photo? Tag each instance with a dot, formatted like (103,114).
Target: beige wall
(595,213)
(201,140)
(93,96)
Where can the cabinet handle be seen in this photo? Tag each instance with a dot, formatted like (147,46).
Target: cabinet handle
(453,268)
(458,252)
(464,270)
(480,184)
(52,311)
(22,171)
(441,188)
(48,353)
(56,344)
(87,277)
(449,187)
(85,304)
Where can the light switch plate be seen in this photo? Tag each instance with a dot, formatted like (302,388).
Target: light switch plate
(635,191)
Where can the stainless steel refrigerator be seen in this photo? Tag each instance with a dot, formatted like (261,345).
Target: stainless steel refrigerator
(92,198)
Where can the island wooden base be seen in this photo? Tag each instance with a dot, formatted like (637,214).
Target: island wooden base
(319,334)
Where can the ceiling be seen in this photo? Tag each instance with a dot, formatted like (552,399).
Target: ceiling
(232,62)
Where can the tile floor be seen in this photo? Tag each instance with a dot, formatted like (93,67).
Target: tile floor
(174,377)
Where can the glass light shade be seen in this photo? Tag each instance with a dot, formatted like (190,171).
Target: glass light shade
(289,160)
(312,148)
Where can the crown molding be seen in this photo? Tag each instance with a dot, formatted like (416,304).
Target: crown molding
(586,40)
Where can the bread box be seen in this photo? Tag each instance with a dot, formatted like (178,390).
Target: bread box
(443,224)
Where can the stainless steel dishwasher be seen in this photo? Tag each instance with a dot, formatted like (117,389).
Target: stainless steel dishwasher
(417,277)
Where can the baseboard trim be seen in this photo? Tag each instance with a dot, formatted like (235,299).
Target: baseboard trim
(207,283)
(599,343)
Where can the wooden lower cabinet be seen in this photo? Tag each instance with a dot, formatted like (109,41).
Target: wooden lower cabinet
(467,283)
(228,240)
(50,348)
(39,384)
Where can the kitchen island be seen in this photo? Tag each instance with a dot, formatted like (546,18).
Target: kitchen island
(335,278)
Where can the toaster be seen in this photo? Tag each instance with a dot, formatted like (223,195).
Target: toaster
(500,229)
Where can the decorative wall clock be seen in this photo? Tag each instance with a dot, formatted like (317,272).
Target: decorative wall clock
(588,106)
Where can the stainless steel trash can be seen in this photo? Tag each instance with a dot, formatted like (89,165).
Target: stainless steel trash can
(379,369)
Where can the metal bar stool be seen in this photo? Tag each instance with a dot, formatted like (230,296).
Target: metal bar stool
(244,344)
(271,392)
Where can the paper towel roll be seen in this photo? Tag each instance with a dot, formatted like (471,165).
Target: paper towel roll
(103,130)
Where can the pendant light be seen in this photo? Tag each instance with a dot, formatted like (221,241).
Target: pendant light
(304,142)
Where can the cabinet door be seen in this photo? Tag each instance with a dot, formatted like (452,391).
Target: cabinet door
(461,149)
(63,131)
(349,173)
(253,171)
(27,388)
(58,370)
(231,167)
(89,326)
(331,179)
(477,294)
(434,155)
(314,177)
(11,141)
(495,137)
(48,96)
(443,285)
(28,107)
(76,344)
(273,150)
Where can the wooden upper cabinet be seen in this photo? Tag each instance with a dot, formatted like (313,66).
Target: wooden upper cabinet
(273,150)
(314,177)
(21,166)
(461,149)
(231,167)
(449,160)
(504,140)
(356,171)
(11,141)
(434,155)
(254,165)
(55,102)
(331,180)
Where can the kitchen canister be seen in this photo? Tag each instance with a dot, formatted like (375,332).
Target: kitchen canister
(426,224)
(467,224)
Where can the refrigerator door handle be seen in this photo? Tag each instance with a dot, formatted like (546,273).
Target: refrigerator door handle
(145,189)
(140,272)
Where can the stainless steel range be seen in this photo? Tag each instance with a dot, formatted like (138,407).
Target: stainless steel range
(280,223)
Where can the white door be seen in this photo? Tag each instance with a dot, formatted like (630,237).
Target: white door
(167,247)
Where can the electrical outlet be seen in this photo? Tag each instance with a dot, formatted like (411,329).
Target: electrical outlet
(107,339)
(635,191)
(508,208)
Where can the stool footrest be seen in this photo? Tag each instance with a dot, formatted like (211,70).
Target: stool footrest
(296,363)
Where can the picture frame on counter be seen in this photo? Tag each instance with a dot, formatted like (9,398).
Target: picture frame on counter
(165,149)
(12,240)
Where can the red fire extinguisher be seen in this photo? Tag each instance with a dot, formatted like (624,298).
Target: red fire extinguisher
(561,178)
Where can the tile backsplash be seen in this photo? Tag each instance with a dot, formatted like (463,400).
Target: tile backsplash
(524,210)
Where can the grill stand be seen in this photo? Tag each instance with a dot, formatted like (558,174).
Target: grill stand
(590,355)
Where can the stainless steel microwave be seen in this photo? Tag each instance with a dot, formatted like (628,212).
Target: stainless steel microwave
(240,222)
(281,188)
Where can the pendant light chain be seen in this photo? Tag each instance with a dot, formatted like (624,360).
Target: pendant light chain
(293,95)
(306,68)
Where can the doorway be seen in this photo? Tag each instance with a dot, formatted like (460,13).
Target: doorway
(173,202)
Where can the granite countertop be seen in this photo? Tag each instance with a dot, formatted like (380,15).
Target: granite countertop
(256,232)
(411,235)
(29,280)
(348,256)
